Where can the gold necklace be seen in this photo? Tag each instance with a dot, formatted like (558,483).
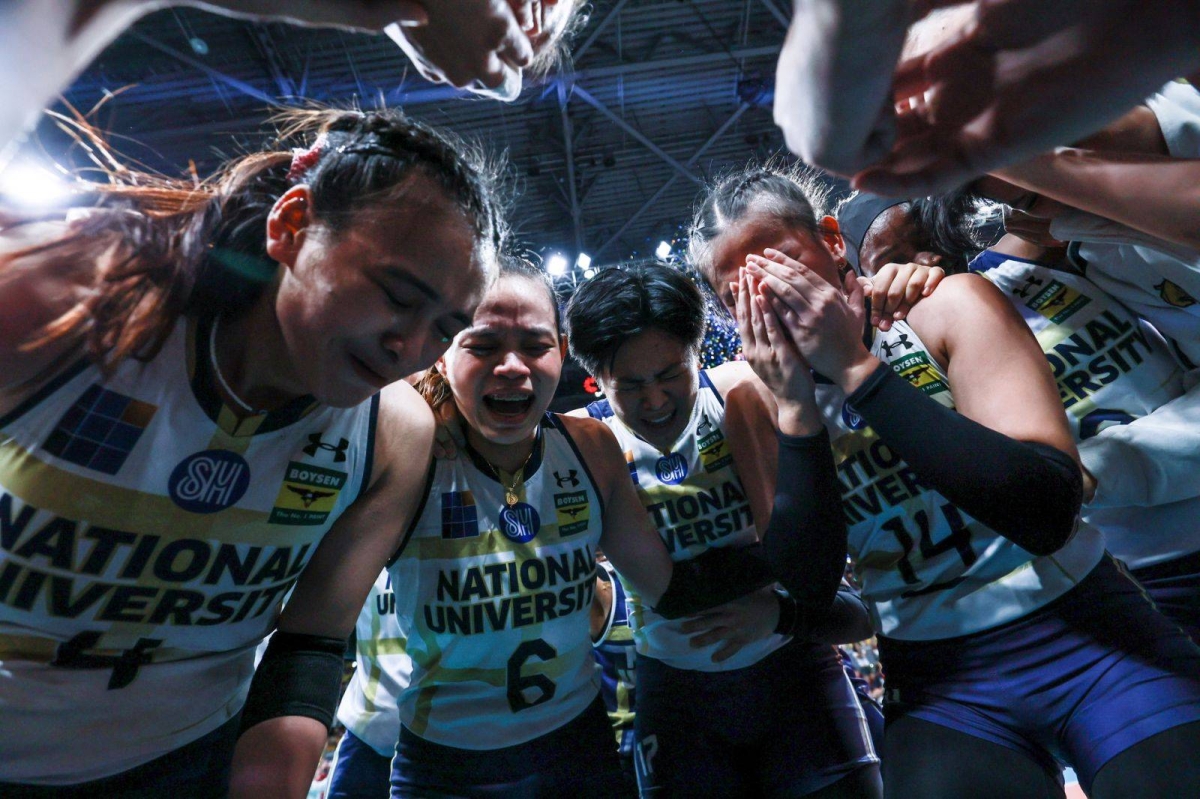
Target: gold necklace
(518,477)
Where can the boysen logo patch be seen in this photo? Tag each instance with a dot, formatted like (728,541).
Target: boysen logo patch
(99,430)
(917,369)
(573,511)
(1057,302)
(1172,294)
(308,494)
(209,481)
(460,519)
(714,453)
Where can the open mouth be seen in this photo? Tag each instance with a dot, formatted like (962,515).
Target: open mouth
(508,405)
(659,422)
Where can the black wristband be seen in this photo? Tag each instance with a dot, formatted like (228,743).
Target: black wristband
(300,675)
(787,613)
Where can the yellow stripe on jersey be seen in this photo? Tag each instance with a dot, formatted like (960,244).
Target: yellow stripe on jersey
(102,504)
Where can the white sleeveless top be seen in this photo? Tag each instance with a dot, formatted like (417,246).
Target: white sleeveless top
(697,501)
(928,569)
(148,539)
(494,602)
(368,708)
(1111,369)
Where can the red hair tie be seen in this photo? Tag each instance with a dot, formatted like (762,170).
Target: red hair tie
(304,160)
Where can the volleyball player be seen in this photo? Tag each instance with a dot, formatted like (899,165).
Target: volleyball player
(191,400)
(500,563)
(1009,638)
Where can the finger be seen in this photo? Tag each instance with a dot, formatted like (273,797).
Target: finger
(515,49)
(787,292)
(913,291)
(727,650)
(525,13)
(935,277)
(742,299)
(700,623)
(854,297)
(707,638)
(790,270)
(896,291)
(408,14)
(756,319)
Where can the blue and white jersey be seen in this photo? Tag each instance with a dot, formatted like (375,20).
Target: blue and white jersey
(1112,370)
(697,501)
(928,569)
(368,708)
(617,656)
(149,538)
(494,601)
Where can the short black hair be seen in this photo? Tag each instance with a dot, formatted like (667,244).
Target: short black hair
(618,304)
(950,226)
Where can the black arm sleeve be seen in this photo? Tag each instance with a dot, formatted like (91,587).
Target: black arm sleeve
(300,675)
(712,578)
(846,622)
(805,541)
(1030,493)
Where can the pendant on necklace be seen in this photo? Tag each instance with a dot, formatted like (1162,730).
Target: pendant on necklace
(510,497)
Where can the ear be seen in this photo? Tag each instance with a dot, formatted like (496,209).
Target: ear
(288,223)
(831,234)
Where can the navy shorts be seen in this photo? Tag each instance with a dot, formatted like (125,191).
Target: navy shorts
(579,759)
(1175,588)
(359,772)
(199,770)
(786,726)
(1081,680)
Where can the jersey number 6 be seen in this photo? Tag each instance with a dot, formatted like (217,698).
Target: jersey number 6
(518,684)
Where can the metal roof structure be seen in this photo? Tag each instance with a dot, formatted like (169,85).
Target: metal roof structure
(608,154)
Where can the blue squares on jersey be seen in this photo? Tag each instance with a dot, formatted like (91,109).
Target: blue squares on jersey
(459,516)
(100,430)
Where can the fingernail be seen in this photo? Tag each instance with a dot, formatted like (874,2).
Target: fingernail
(898,315)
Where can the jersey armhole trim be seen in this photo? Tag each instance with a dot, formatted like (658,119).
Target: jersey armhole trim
(369,457)
(706,382)
(58,381)
(609,576)
(417,514)
(562,428)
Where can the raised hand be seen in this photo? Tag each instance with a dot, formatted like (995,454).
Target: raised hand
(896,288)
(825,322)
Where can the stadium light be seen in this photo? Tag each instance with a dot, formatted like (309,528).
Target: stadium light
(589,273)
(29,185)
(664,251)
(583,261)
(556,265)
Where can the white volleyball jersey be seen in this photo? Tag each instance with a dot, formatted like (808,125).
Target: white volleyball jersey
(148,539)
(368,708)
(494,602)
(1112,370)
(927,568)
(697,501)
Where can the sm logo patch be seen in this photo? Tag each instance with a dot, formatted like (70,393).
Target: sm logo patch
(918,371)
(1057,302)
(209,481)
(714,451)
(308,494)
(573,511)
(460,519)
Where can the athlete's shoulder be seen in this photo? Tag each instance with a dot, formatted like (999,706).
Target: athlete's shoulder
(404,431)
(588,432)
(961,302)
(742,389)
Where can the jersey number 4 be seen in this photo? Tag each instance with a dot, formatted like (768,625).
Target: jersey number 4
(519,686)
(959,540)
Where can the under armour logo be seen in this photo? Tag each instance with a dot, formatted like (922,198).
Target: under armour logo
(1030,283)
(572,478)
(902,343)
(705,427)
(315,443)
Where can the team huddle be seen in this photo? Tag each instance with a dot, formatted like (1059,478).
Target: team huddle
(247,417)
